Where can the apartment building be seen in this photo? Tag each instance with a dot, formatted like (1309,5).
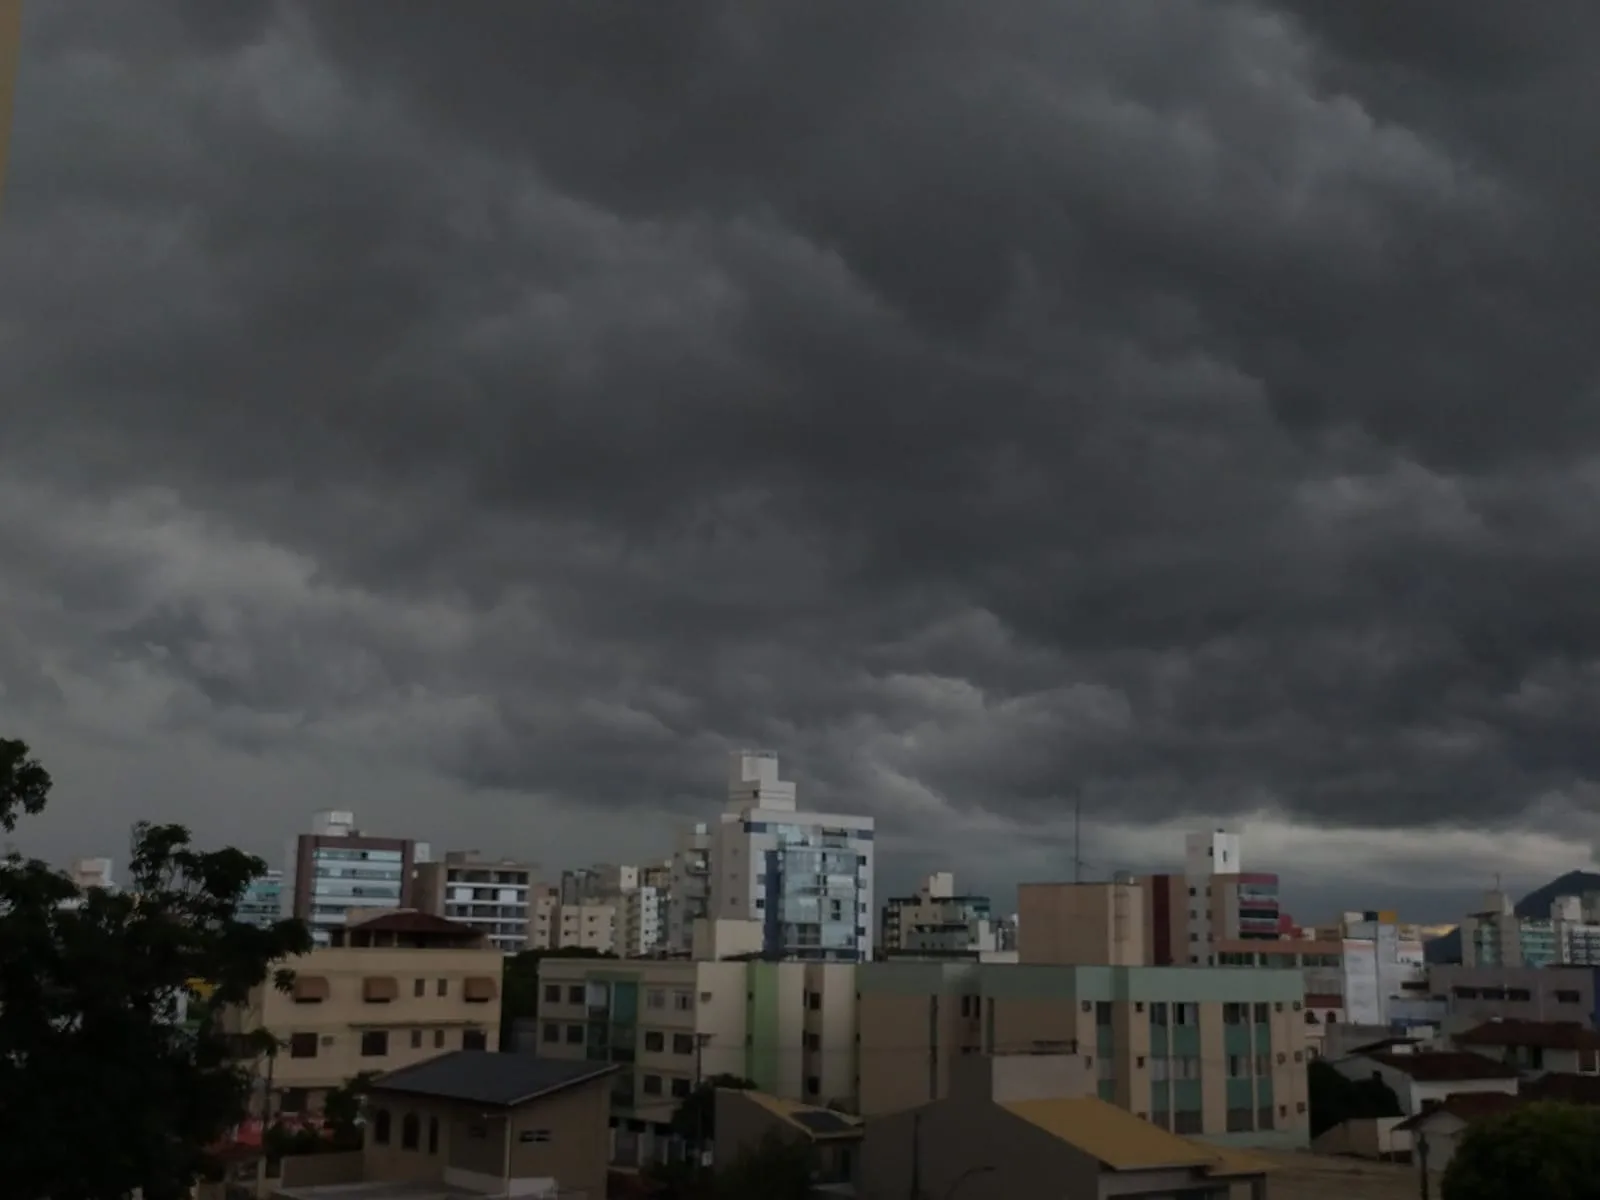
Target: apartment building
(1496,936)
(1209,1051)
(387,991)
(337,869)
(1188,914)
(937,920)
(1090,923)
(590,924)
(807,876)
(688,887)
(493,896)
(262,902)
(1468,995)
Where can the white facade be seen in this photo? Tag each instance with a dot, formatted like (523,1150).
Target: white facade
(807,877)
(935,920)
(640,934)
(495,898)
(1414,1093)
(689,893)
(1206,854)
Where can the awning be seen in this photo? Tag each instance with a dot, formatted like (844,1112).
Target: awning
(479,989)
(379,989)
(309,989)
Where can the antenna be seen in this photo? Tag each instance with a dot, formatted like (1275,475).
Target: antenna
(1077,840)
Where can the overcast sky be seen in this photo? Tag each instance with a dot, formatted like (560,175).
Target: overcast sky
(484,416)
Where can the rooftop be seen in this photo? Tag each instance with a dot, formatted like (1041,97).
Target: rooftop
(816,1122)
(1465,1106)
(1124,1142)
(489,1078)
(1563,1087)
(1544,1035)
(1444,1066)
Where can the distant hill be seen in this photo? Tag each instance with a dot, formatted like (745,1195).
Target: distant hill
(1447,949)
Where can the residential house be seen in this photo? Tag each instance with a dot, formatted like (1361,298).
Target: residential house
(1419,1078)
(390,990)
(1535,1047)
(745,1119)
(1437,1129)
(472,1123)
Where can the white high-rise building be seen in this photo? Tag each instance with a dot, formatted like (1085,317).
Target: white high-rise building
(806,877)
(1205,855)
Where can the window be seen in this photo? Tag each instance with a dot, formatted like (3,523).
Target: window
(1234,1014)
(410,1131)
(433,1135)
(552,1032)
(302,1045)
(654,1041)
(655,998)
(683,1043)
(416,1039)
(375,1043)
(680,1088)
(552,993)
(574,1035)
(705,997)
(652,1085)
(534,1135)
(813,1085)
(1565,996)
(1241,1120)
(474,1039)
(438,1039)
(1262,1014)
(1186,1014)
(683,1001)
(812,1041)
(380,1127)
(814,1001)
(419,987)
(444,987)
(575,994)
(1158,1014)
(1102,1013)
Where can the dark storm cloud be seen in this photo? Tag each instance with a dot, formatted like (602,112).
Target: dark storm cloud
(1186,406)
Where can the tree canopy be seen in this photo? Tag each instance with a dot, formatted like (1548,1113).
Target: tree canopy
(1551,1151)
(695,1118)
(103,1089)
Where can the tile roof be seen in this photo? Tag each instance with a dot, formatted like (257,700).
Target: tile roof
(817,1123)
(1565,1087)
(1466,1106)
(490,1078)
(407,920)
(1544,1035)
(1124,1142)
(1444,1066)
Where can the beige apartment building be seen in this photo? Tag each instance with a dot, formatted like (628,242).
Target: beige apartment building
(393,988)
(589,925)
(1203,1051)
(1089,923)
(790,1027)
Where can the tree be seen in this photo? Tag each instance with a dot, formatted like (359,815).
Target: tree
(694,1119)
(102,1090)
(1335,1099)
(344,1109)
(1551,1151)
(778,1168)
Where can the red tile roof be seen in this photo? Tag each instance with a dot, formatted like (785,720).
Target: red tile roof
(1563,1087)
(1543,1035)
(1444,1066)
(405,920)
(1467,1106)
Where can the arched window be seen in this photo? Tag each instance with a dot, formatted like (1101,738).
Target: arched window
(410,1131)
(380,1127)
(433,1135)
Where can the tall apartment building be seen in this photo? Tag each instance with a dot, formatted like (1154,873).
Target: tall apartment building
(936,920)
(262,902)
(10,45)
(1215,900)
(336,869)
(1082,923)
(807,876)
(688,887)
(387,991)
(493,896)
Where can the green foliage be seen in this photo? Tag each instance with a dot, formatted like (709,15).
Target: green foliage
(102,1090)
(343,1109)
(695,1118)
(1335,1099)
(780,1168)
(519,984)
(1551,1151)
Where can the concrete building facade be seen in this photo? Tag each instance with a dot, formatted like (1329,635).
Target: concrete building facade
(1087,923)
(807,876)
(493,896)
(936,919)
(689,887)
(389,990)
(336,869)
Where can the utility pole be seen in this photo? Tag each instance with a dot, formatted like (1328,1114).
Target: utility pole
(1422,1162)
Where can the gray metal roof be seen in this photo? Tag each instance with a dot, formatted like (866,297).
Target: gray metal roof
(490,1078)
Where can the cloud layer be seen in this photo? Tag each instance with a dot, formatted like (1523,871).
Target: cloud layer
(1187,409)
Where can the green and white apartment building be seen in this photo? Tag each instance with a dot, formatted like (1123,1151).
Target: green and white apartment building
(1208,1052)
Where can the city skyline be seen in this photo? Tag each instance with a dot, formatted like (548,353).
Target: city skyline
(1187,417)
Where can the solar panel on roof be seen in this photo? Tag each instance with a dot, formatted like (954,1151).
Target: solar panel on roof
(823,1122)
